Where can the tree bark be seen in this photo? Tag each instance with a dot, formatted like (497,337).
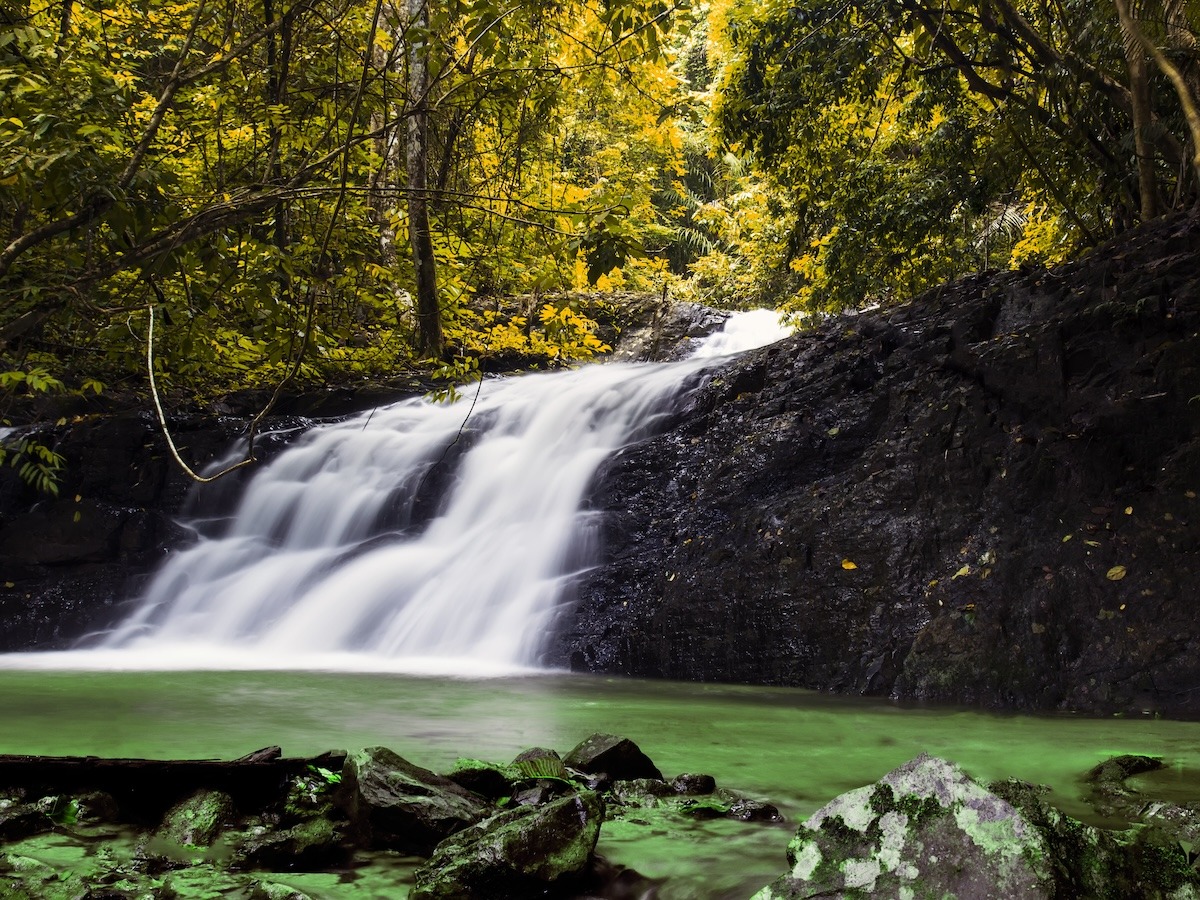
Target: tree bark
(429,315)
(1139,92)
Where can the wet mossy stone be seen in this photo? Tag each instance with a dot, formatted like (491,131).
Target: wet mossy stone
(313,844)
(197,820)
(486,779)
(396,805)
(515,855)
(620,758)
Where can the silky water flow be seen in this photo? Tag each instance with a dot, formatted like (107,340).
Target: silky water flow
(421,536)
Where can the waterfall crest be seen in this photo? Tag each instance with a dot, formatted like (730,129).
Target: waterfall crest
(417,537)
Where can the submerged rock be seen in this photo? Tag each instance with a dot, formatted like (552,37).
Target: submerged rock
(400,806)
(928,830)
(515,855)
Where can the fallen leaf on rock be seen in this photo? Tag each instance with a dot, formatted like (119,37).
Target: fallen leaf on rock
(1116,573)
(964,571)
(846,564)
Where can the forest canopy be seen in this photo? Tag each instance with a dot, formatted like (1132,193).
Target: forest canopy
(320,190)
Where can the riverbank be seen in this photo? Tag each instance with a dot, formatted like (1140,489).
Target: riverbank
(269,826)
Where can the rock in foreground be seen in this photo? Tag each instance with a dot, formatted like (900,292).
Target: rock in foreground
(926,829)
(515,854)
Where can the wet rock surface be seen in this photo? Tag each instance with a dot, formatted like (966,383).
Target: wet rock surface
(515,854)
(235,825)
(988,496)
(70,563)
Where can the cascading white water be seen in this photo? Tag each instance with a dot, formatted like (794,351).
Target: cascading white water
(418,536)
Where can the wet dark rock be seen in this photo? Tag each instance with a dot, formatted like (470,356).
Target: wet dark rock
(71,561)
(692,784)
(642,791)
(1110,795)
(927,829)
(314,844)
(486,779)
(988,496)
(744,809)
(618,757)
(517,854)
(21,820)
(400,806)
(667,330)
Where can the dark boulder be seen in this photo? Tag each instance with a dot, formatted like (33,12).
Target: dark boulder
(400,806)
(523,853)
(617,757)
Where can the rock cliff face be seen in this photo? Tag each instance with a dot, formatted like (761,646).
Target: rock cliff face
(988,496)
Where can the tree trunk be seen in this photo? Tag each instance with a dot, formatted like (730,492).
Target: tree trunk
(429,316)
(1139,91)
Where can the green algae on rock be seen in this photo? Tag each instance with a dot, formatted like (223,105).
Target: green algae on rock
(926,829)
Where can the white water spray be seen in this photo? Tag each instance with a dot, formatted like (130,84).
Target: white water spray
(416,537)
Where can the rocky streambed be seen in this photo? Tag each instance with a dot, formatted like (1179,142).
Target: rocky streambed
(529,828)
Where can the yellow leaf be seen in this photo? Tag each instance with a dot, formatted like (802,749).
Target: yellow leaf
(1129,510)
(846,564)
(1116,573)
(1067,538)
(964,571)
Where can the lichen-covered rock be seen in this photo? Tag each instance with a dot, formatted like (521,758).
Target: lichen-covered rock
(515,855)
(400,806)
(928,830)
(925,829)
(618,757)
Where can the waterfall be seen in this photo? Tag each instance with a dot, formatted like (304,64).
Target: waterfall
(421,536)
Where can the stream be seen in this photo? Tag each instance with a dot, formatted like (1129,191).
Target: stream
(795,748)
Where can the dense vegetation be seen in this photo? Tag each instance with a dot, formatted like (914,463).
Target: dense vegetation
(309,190)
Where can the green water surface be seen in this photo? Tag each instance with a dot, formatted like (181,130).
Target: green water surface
(795,748)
